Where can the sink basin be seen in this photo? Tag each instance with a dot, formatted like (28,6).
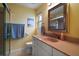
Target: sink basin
(51,39)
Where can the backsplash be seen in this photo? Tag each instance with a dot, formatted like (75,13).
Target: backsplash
(71,39)
(53,35)
(65,37)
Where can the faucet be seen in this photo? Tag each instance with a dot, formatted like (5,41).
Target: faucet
(57,36)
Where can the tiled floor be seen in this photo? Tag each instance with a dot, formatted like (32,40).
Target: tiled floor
(20,53)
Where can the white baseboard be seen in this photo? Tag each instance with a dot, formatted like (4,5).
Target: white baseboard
(19,49)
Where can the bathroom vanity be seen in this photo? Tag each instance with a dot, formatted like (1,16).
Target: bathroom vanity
(47,46)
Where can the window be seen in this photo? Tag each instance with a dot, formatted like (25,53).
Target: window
(39,22)
(49,4)
(30,22)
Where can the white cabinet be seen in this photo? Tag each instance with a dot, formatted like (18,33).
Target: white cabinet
(34,50)
(57,53)
(39,48)
(42,52)
(34,47)
(44,49)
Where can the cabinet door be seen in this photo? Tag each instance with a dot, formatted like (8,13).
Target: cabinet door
(41,49)
(34,47)
(34,51)
(57,53)
(44,49)
(43,52)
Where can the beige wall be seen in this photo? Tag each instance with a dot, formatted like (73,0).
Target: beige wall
(19,15)
(73,22)
(74,19)
(1,5)
(42,9)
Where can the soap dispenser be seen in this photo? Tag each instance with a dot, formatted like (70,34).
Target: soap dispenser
(62,36)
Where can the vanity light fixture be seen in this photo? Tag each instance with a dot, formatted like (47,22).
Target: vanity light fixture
(49,4)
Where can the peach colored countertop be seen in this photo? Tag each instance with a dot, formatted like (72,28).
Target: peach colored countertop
(67,48)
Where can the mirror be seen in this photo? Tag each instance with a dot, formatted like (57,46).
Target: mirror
(57,18)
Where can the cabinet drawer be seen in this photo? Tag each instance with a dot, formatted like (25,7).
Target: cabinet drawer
(45,47)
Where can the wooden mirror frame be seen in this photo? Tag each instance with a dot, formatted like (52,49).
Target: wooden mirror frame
(65,16)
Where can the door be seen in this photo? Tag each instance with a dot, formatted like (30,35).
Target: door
(7,40)
(4,30)
(1,30)
(7,31)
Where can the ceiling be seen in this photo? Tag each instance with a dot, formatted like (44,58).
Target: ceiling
(31,5)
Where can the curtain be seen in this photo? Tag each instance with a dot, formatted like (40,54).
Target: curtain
(14,31)
(20,30)
(17,31)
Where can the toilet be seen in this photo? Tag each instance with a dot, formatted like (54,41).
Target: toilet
(28,47)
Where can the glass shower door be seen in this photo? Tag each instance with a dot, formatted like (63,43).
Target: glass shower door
(1,30)
(7,32)
(4,30)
